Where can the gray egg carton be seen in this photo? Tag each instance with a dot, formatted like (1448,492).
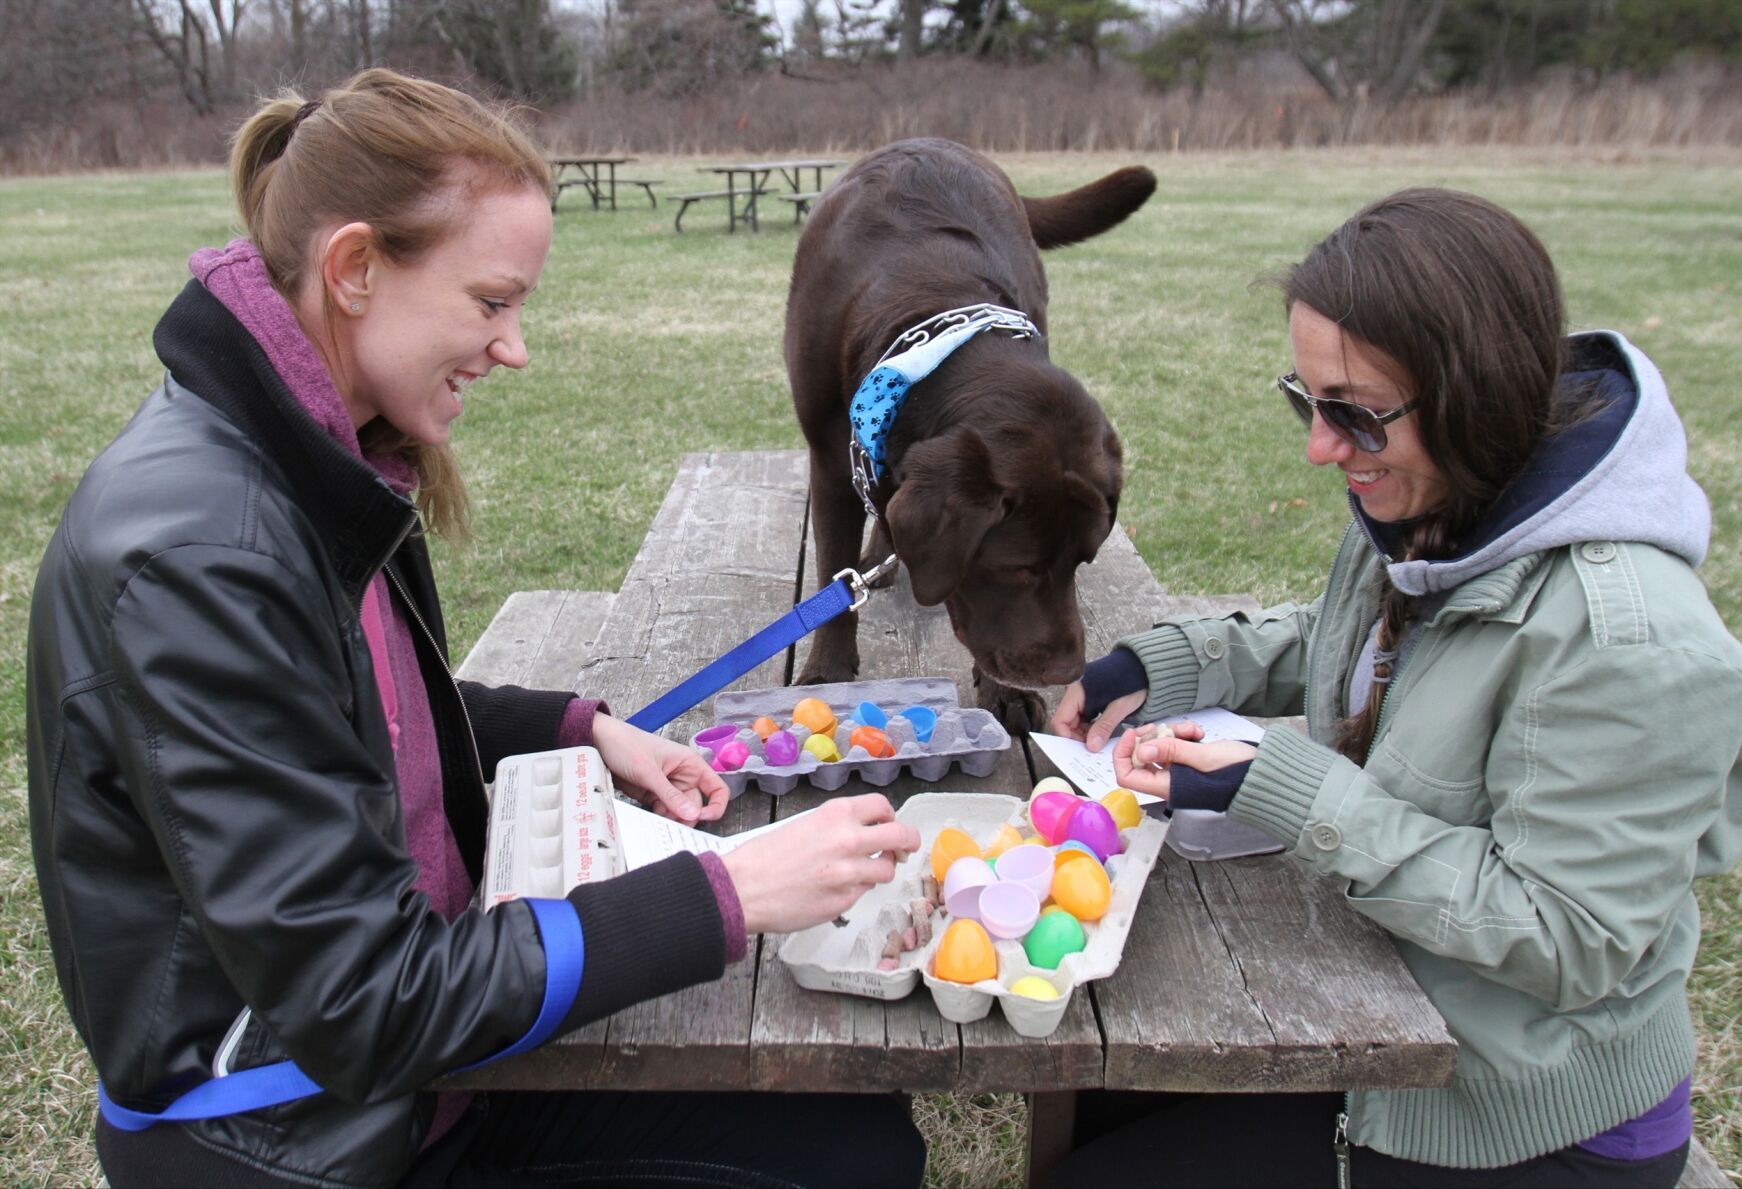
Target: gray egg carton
(965,737)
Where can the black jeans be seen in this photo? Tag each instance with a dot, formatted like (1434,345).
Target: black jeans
(1268,1140)
(752,1141)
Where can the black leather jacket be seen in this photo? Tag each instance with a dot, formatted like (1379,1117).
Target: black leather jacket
(214,812)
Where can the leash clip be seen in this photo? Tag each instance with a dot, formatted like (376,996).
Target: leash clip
(860,584)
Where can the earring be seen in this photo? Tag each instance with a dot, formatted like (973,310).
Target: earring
(355,307)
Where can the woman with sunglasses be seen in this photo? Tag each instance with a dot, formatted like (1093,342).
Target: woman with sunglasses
(1522,723)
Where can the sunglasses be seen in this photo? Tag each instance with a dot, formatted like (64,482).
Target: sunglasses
(1356,424)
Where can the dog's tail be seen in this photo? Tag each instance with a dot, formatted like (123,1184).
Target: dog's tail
(1088,210)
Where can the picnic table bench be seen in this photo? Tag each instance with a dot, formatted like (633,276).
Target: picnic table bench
(801,203)
(733,218)
(1245,975)
(598,177)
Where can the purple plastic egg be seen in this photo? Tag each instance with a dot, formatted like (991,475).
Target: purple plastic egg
(716,736)
(1095,828)
(731,756)
(781,748)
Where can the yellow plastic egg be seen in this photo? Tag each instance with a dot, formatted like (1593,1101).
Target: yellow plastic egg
(951,844)
(965,953)
(1033,987)
(814,715)
(1082,889)
(1006,837)
(1122,804)
(822,747)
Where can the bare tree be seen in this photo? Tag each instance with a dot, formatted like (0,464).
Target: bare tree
(1360,48)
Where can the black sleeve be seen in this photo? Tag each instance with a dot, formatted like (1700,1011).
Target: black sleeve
(1187,788)
(508,720)
(1118,673)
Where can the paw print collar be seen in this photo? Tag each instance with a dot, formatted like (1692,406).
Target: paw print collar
(913,356)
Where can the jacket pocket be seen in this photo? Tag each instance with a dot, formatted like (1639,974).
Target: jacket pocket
(1442,776)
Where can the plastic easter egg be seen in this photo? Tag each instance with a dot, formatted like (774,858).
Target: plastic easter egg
(964,882)
(731,756)
(822,747)
(1051,784)
(1054,935)
(1072,849)
(1083,890)
(965,954)
(871,715)
(1032,986)
(1050,811)
(1049,908)
(716,736)
(1008,909)
(814,715)
(1122,804)
(873,741)
(781,748)
(1094,827)
(924,720)
(764,727)
(1003,840)
(951,844)
(1030,865)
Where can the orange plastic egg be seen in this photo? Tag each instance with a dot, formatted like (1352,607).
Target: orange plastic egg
(951,844)
(814,715)
(965,953)
(1082,889)
(764,727)
(873,741)
(1006,837)
(1122,804)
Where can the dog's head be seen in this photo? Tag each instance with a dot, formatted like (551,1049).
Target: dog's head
(993,519)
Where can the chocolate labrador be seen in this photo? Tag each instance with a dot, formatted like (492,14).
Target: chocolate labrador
(916,349)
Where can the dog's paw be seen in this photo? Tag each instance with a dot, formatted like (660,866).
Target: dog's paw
(827,669)
(1021,711)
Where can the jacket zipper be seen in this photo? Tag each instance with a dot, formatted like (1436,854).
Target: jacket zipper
(465,715)
(1312,650)
(1340,1146)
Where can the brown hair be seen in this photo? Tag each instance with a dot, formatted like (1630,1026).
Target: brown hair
(381,148)
(1464,299)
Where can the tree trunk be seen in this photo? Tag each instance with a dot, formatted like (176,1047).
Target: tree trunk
(912,23)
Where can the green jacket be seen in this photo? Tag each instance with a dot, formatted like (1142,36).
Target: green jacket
(1555,762)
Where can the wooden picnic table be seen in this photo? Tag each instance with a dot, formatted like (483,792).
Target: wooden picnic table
(596,175)
(756,175)
(1244,975)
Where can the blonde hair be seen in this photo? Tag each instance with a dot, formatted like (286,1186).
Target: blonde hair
(379,149)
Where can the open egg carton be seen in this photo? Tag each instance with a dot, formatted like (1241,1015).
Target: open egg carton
(940,734)
(552,826)
(853,958)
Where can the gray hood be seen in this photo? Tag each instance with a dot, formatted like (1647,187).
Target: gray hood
(1619,475)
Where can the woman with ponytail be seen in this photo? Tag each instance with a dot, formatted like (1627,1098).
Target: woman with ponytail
(1522,732)
(257,796)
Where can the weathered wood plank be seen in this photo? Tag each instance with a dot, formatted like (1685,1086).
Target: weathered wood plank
(1702,1172)
(538,638)
(683,603)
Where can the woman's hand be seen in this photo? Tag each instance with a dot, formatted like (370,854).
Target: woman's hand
(669,778)
(1142,755)
(1067,720)
(814,869)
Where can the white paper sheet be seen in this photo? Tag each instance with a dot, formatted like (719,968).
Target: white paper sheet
(1092,772)
(647,838)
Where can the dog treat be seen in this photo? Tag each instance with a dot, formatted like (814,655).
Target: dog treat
(909,938)
(892,944)
(928,887)
(889,963)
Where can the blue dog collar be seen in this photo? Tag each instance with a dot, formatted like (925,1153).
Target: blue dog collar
(913,356)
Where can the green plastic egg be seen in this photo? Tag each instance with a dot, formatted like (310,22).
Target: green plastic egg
(1054,935)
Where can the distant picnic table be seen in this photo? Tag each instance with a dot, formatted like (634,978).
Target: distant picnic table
(750,180)
(597,176)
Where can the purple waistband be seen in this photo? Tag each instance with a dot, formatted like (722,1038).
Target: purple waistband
(1663,1128)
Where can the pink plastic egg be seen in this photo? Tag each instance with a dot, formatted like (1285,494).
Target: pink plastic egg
(731,756)
(1051,812)
(1095,828)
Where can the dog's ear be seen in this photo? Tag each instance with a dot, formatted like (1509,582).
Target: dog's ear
(946,499)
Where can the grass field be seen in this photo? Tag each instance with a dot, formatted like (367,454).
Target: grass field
(647,345)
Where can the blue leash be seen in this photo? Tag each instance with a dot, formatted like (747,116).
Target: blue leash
(558,926)
(565,954)
(847,592)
